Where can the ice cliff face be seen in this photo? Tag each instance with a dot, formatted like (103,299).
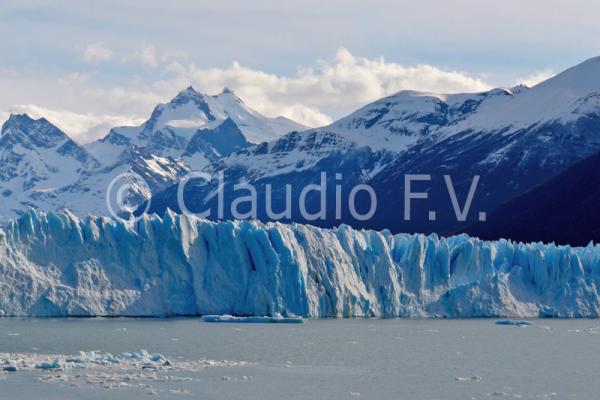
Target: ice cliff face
(59,265)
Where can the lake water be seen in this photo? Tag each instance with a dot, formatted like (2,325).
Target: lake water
(321,359)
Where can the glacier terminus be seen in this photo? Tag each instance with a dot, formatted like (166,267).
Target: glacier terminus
(57,264)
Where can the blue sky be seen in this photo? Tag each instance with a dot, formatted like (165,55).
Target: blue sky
(90,65)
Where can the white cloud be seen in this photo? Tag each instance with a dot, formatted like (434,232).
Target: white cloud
(97,52)
(3,116)
(313,95)
(74,78)
(147,55)
(82,127)
(131,100)
(537,77)
(332,87)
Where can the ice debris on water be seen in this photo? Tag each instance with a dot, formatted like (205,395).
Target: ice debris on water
(593,331)
(106,369)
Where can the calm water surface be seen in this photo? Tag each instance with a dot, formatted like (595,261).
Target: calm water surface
(325,359)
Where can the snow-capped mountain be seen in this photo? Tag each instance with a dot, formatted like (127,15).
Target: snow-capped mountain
(43,168)
(171,126)
(36,159)
(357,147)
(514,138)
(187,133)
(397,122)
(515,142)
(61,265)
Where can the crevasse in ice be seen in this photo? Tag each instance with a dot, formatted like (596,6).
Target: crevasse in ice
(55,264)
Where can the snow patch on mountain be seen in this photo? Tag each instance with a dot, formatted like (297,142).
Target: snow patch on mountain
(143,174)
(564,98)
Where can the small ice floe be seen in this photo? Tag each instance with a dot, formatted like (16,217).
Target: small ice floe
(236,378)
(513,322)
(468,379)
(56,364)
(277,319)
(498,394)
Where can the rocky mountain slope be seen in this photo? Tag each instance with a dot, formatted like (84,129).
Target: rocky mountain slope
(563,210)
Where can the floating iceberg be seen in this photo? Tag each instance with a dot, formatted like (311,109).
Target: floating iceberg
(278,319)
(469,379)
(513,322)
(55,264)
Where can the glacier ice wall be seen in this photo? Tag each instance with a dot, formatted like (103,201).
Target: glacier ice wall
(55,264)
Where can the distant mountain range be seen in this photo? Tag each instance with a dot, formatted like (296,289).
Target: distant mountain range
(514,139)
(42,168)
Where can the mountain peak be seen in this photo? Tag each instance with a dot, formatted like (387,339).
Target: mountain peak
(29,133)
(520,88)
(186,95)
(228,95)
(190,90)
(20,118)
(20,121)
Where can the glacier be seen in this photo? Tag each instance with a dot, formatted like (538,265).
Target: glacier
(57,264)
